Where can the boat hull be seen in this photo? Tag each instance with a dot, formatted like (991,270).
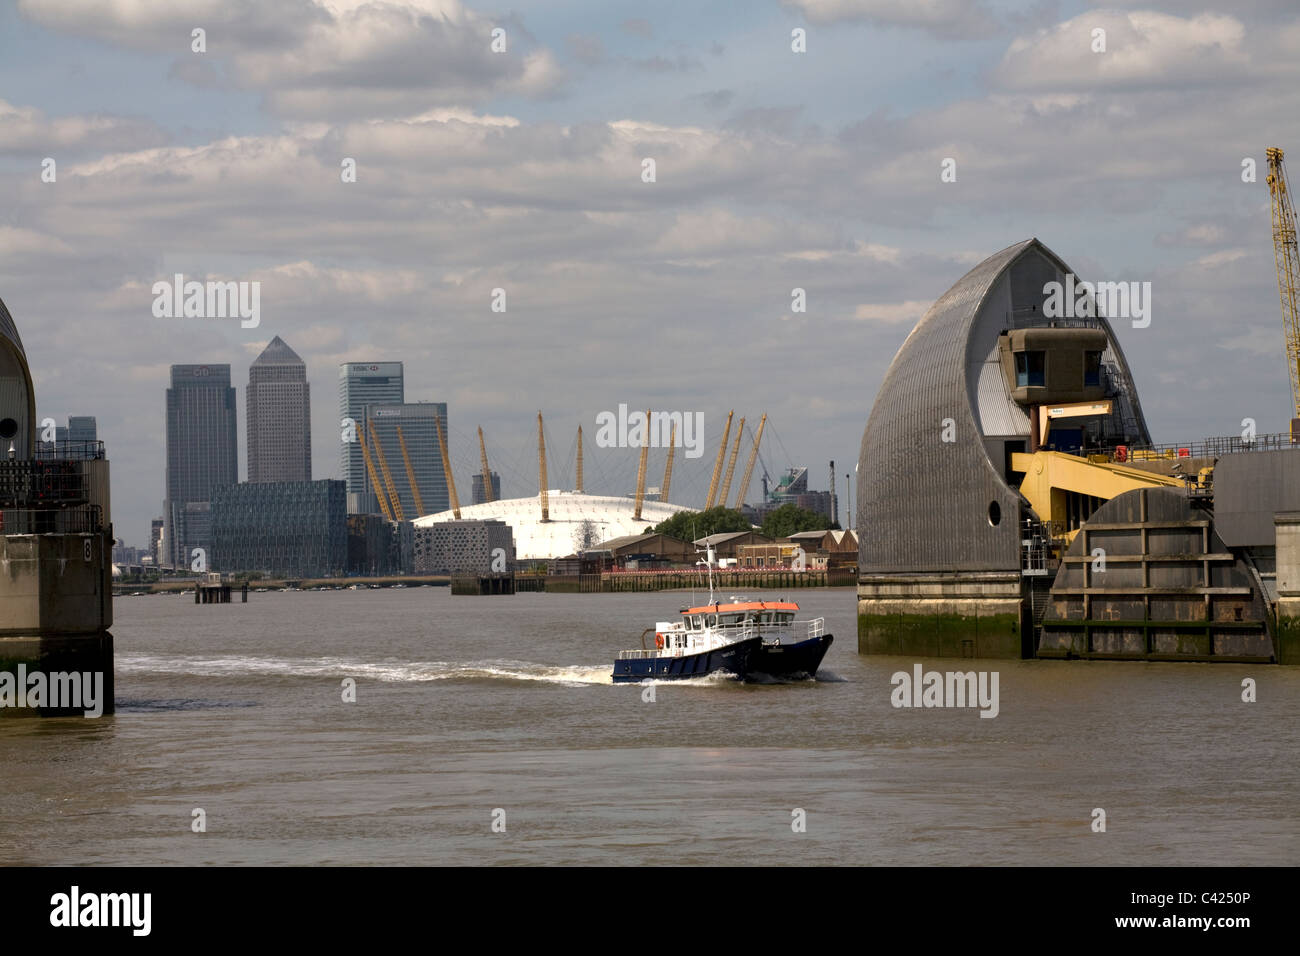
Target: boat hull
(791,660)
(734,658)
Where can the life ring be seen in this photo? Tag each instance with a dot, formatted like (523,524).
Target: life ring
(659,641)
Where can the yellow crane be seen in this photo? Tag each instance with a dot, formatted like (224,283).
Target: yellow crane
(717,465)
(731,466)
(1288,271)
(668,468)
(374,478)
(541,470)
(640,469)
(749,467)
(410,473)
(397,512)
(579,459)
(446,469)
(487,472)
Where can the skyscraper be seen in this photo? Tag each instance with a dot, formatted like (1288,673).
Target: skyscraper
(278,416)
(477,496)
(202,455)
(362,384)
(416,421)
(82,428)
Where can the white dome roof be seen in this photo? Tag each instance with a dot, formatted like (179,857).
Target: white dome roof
(568,510)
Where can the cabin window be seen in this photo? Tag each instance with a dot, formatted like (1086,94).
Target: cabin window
(1091,368)
(697,622)
(711,620)
(1031,368)
(784,618)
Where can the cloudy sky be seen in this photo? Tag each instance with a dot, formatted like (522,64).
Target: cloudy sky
(522,170)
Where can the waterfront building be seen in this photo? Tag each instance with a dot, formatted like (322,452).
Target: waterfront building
(286,529)
(202,454)
(1012,504)
(421,436)
(465,547)
(362,384)
(278,416)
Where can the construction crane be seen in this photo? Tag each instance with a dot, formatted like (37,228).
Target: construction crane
(398,514)
(640,469)
(580,459)
(749,466)
(1288,272)
(374,477)
(410,473)
(717,465)
(731,465)
(541,470)
(487,473)
(446,469)
(668,468)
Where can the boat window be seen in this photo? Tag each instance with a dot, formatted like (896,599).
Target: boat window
(711,620)
(784,618)
(697,622)
(767,617)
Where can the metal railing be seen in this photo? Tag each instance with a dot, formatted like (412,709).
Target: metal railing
(83,519)
(69,450)
(26,484)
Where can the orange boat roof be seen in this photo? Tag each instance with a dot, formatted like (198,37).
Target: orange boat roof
(746,606)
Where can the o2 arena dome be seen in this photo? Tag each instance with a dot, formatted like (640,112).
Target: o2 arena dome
(612,517)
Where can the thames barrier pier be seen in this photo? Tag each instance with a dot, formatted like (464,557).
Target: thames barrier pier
(55,549)
(1012,503)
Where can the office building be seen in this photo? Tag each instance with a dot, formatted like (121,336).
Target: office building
(465,547)
(278,416)
(417,423)
(286,529)
(362,384)
(202,455)
(476,489)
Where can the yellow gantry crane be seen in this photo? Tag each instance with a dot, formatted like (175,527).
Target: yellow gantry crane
(640,470)
(749,466)
(717,465)
(487,472)
(1288,271)
(580,459)
(731,465)
(446,470)
(374,477)
(541,470)
(668,467)
(410,473)
(397,513)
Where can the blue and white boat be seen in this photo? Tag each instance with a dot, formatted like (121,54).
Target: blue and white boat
(741,637)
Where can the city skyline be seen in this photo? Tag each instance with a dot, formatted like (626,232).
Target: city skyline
(776,171)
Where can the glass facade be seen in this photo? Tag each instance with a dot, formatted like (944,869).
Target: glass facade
(362,384)
(288,529)
(202,451)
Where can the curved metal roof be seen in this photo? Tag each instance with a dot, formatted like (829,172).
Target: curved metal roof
(926,504)
(17,396)
(568,510)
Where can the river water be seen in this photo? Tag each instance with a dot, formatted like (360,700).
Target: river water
(470,709)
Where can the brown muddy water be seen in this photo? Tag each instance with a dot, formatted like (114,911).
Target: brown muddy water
(467,705)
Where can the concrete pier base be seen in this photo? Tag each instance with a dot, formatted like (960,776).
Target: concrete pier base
(975,614)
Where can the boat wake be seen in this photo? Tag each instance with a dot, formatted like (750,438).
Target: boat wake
(389,671)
